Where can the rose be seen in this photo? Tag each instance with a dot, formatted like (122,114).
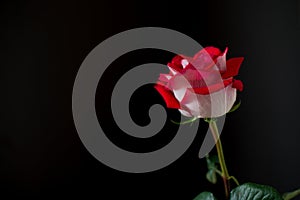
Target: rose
(195,84)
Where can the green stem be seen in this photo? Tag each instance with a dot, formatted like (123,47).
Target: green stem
(235,180)
(224,171)
(291,195)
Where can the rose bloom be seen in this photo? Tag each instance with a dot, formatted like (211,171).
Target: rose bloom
(202,86)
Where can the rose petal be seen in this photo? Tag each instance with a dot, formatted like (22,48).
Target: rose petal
(191,79)
(195,77)
(177,59)
(213,52)
(238,84)
(172,71)
(211,105)
(232,67)
(168,96)
(179,84)
(164,77)
(175,64)
(205,59)
(212,88)
(221,61)
(184,63)
(185,113)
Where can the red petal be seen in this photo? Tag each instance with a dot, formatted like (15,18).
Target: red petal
(164,77)
(225,51)
(221,60)
(176,67)
(177,59)
(168,96)
(232,67)
(212,51)
(176,63)
(212,88)
(207,57)
(238,84)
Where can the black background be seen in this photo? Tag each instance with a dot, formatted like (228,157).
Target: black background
(43,44)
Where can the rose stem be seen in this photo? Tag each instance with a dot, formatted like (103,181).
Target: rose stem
(225,175)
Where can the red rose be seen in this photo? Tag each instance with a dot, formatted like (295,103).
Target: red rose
(194,85)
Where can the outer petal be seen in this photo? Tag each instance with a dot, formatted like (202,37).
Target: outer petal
(221,61)
(185,112)
(179,64)
(200,78)
(232,68)
(211,105)
(164,77)
(212,88)
(205,59)
(179,84)
(175,65)
(172,71)
(238,84)
(213,52)
(168,96)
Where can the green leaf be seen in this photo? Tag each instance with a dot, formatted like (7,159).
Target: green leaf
(211,161)
(205,196)
(252,191)
(211,176)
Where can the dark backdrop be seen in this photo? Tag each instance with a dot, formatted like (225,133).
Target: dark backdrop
(43,44)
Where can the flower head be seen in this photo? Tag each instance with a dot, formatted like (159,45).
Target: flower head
(202,86)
